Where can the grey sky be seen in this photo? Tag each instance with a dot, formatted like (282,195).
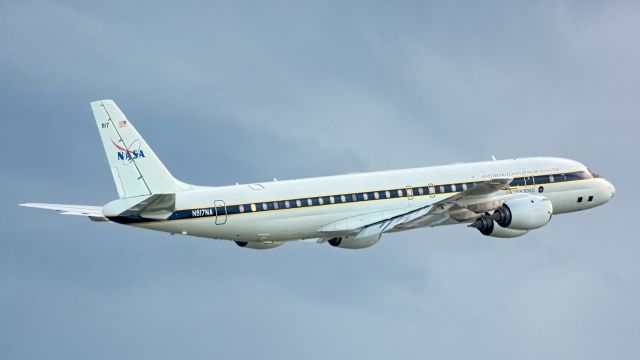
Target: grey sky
(297,89)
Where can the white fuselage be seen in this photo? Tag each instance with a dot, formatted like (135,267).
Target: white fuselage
(300,209)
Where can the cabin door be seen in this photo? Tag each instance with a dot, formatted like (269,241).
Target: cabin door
(410,194)
(432,191)
(221,212)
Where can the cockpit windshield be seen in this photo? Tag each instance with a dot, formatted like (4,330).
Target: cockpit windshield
(578,175)
(592,173)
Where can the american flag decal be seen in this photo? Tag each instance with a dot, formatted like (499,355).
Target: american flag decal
(122,123)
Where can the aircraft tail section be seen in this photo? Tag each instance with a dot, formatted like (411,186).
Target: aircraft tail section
(136,169)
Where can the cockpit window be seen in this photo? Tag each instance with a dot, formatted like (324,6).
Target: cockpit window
(592,173)
(586,174)
(579,175)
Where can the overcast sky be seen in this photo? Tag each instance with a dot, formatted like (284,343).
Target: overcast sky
(298,89)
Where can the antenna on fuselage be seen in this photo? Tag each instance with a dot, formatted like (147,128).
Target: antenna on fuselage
(493,157)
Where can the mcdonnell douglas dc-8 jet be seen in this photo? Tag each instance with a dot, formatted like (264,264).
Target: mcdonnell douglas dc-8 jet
(500,198)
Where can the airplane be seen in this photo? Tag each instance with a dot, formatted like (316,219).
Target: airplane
(500,198)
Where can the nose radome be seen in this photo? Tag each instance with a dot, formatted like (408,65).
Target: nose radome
(612,188)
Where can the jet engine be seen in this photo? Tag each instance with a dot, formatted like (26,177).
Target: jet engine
(352,242)
(526,213)
(487,227)
(259,245)
(515,217)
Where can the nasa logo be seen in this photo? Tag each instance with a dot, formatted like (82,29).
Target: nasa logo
(124,154)
(541,189)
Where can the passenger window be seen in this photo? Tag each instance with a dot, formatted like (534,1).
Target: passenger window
(421,191)
(309,202)
(400,193)
(580,199)
(441,189)
(298,203)
(453,187)
(387,194)
(332,200)
(320,201)
(464,187)
(276,205)
(343,198)
(264,206)
(241,208)
(253,207)
(376,195)
(591,198)
(365,196)
(286,204)
(551,179)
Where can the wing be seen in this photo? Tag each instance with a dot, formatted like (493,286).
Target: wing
(485,196)
(463,206)
(92,212)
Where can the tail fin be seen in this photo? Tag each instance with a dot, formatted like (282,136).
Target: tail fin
(136,169)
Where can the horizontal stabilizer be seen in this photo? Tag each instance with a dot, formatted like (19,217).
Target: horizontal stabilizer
(92,212)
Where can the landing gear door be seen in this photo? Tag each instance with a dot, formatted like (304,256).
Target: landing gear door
(221,212)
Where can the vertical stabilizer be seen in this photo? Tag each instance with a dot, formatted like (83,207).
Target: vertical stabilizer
(136,169)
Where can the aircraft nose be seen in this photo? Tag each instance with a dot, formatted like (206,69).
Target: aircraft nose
(612,189)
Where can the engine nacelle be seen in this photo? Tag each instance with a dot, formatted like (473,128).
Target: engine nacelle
(259,245)
(350,242)
(525,213)
(487,227)
(501,232)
